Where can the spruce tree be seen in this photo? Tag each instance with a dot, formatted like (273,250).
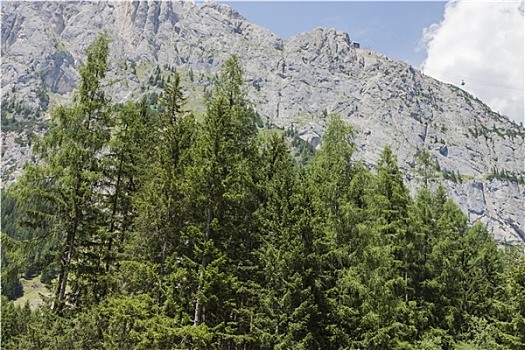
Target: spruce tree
(332,229)
(130,151)
(161,202)
(393,297)
(280,256)
(222,189)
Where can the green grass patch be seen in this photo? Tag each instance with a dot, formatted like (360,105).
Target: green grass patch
(34,289)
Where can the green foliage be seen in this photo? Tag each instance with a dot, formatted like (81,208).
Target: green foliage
(42,95)
(451,175)
(12,289)
(19,117)
(505,175)
(16,321)
(158,231)
(427,167)
(19,259)
(59,194)
(222,179)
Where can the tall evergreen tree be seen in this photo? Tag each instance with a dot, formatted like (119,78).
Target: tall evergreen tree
(332,228)
(61,191)
(511,303)
(393,296)
(161,201)
(130,150)
(222,190)
(280,256)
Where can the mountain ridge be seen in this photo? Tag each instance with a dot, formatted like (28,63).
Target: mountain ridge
(290,82)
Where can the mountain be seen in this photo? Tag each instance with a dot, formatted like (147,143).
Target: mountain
(294,82)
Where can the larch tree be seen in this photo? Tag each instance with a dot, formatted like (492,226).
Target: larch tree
(62,189)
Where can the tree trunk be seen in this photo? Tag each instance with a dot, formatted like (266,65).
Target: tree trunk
(198,305)
(114,209)
(64,272)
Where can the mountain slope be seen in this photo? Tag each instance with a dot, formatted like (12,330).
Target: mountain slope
(291,82)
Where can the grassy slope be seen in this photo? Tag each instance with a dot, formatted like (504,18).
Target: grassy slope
(33,291)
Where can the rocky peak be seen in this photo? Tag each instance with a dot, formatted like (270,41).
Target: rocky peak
(323,40)
(325,49)
(295,81)
(216,9)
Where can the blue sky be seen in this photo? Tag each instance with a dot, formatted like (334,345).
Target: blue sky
(392,28)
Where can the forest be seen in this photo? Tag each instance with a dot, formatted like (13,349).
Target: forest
(157,228)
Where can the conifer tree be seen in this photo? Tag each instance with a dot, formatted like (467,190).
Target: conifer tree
(482,266)
(332,227)
(129,153)
(512,309)
(426,167)
(61,191)
(393,295)
(392,204)
(280,254)
(222,184)
(161,201)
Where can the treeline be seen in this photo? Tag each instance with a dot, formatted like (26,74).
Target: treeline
(504,175)
(162,231)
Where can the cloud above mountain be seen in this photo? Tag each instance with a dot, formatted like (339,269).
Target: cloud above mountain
(481,44)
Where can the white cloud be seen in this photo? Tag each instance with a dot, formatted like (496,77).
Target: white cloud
(481,43)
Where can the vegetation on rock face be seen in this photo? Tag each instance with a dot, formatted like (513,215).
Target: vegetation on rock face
(158,231)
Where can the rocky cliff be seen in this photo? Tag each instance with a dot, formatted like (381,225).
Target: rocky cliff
(290,82)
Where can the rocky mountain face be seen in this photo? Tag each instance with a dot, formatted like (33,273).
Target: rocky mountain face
(294,82)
